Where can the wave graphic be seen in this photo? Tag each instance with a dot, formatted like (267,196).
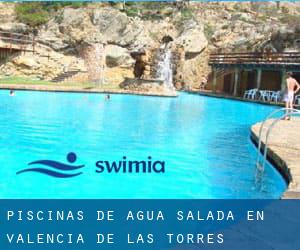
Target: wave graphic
(57,167)
(49,172)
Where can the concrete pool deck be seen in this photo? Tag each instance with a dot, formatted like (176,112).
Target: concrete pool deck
(284,151)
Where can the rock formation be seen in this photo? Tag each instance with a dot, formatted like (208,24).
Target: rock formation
(131,41)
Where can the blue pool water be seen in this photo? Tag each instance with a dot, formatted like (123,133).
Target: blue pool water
(204,142)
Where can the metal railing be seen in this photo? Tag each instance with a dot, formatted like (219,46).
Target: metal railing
(255,58)
(17,41)
(11,42)
(260,166)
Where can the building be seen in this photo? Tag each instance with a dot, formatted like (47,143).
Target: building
(234,73)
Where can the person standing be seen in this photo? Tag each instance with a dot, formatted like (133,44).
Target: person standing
(292,88)
(203,83)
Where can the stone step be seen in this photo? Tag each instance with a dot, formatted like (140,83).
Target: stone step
(65,75)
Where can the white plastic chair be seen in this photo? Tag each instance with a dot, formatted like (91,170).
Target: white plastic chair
(253,94)
(275,96)
(297,99)
(246,94)
(263,95)
(250,94)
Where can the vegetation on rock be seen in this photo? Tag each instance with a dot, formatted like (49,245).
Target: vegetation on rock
(196,30)
(38,13)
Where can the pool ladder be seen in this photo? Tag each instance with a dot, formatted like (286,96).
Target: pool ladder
(260,163)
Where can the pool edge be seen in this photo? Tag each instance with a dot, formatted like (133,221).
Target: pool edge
(281,164)
(233,98)
(61,89)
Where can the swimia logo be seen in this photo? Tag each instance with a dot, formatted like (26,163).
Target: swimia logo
(55,168)
(61,170)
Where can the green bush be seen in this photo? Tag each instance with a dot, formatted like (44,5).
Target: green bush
(32,14)
(38,13)
(290,19)
(187,13)
(208,31)
(132,12)
(54,6)
(284,10)
(149,10)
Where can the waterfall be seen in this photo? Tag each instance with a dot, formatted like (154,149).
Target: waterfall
(165,71)
(100,59)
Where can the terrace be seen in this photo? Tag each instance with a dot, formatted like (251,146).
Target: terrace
(234,73)
(255,59)
(13,43)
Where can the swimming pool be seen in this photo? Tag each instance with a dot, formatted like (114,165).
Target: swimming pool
(204,142)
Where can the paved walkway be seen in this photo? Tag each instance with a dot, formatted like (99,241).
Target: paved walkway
(284,151)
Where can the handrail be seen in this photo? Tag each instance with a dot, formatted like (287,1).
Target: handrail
(269,131)
(260,167)
(292,112)
(13,33)
(256,57)
(254,53)
(17,41)
(270,59)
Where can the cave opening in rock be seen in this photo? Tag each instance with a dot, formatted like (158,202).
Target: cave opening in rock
(167,39)
(140,64)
